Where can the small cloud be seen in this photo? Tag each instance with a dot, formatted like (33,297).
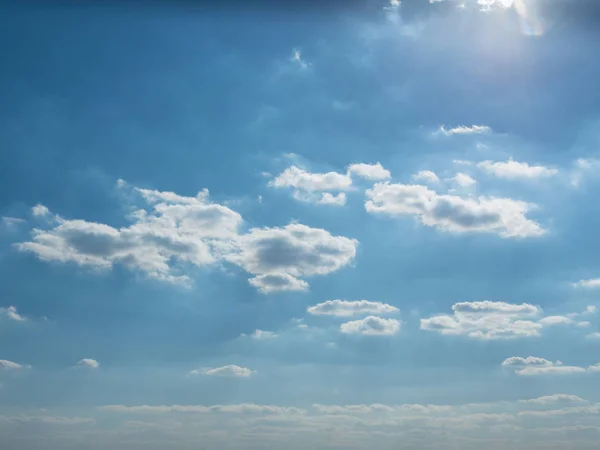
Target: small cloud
(330,199)
(262,335)
(463,180)
(12,222)
(372,172)
(278,282)
(88,363)
(371,326)
(345,308)
(11,365)
(533,365)
(297,59)
(462,130)
(512,169)
(593,335)
(259,199)
(591,283)
(226,371)
(426,176)
(556,398)
(40,210)
(11,313)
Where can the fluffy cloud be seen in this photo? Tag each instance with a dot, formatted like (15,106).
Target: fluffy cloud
(88,363)
(369,171)
(462,129)
(463,180)
(493,320)
(175,231)
(295,250)
(371,326)
(426,176)
(533,365)
(40,210)
(345,308)
(451,213)
(12,314)
(330,199)
(513,169)
(302,180)
(278,282)
(226,371)
(10,365)
(591,283)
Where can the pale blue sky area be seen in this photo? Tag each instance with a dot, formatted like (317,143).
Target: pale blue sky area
(356,225)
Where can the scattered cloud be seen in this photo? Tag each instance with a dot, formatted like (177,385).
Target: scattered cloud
(262,335)
(371,326)
(493,320)
(11,365)
(88,363)
(426,176)
(553,399)
(512,169)
(226,371)
(463,180)
(330,199)
(462,130)
(299,60)
(591,283)
(11,313)
(310,182)
(345,308)
(503,216)
(176,231)
(533,365)
(40,210)
(277,282)
(11,223)
(369,171)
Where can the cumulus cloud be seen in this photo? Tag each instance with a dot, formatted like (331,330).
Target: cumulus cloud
(225,371)
(40,210)
(277,282)
(503,216)
(463,180)
(330,199)
(591,283)
(174,232)
(262,335)
(533,365)
(369,171)
(303,180)
(12,314)
(489,320)
(555,398)
(462,130)
(426,176)
(295,250)
(11,365)
(345,308)
(88,363)
(512,169)
(371,326)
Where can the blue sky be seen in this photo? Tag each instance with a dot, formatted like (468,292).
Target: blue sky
(353,226)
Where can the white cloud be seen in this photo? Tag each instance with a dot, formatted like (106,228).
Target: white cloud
(345,308)
(582,168)
(298,60)
(330,199)
(513,169)
(555,398)
(369,171)
(309,182)
(12,222)
(533,365)
(175,232)
(295,250)
(40,210)
(277,282)
(591,283)
(462,129)
(11,365)
(463,180)
(371,326)
(226,371)
(11,313)
(451,213)
(594,335)
(426,176)
(262,335)
(487,320)
(242,408)
(88,363)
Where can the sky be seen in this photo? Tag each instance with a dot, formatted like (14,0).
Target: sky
(344,225)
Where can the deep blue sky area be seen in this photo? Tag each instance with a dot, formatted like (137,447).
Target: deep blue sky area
(251,225)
